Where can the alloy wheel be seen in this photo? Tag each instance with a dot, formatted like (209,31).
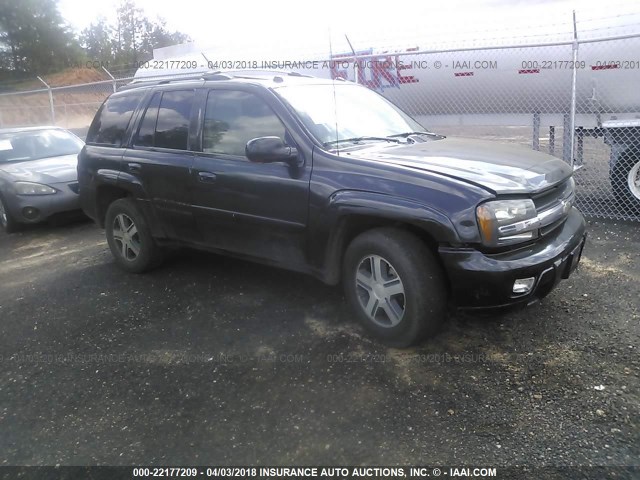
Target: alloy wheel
(380,291)
(125,234)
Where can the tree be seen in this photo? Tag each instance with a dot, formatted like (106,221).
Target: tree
(34,38)
(158,36)
(131,38)
(131,26)
(98,41)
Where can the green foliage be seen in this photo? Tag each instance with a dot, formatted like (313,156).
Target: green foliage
(131,38)
(34,39)
(98,41)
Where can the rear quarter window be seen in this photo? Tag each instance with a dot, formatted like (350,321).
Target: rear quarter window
(111,121)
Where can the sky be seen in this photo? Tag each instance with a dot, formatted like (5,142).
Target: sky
(295,25)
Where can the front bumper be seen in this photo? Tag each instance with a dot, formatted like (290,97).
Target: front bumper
(36,208)
(480,280)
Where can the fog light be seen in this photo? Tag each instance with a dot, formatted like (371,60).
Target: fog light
(523,285)
(30,213)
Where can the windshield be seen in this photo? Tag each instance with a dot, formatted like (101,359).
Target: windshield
(347,112)
(36,144)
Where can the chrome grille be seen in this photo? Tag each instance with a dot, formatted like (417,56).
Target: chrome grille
(554,205)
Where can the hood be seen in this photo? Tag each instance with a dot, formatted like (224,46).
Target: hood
(497,167)
(46,170)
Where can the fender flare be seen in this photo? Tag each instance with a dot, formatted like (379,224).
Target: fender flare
(132,186)
(387,208)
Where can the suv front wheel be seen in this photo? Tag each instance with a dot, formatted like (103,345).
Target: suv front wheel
(129,237)
(395,285)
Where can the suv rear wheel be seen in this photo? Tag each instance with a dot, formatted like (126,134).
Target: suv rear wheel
(395,286)
(129,237)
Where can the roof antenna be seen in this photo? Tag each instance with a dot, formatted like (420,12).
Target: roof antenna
(356,69)
(208,61)
(335,103)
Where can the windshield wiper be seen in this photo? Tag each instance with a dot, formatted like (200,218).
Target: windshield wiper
(361,139)
(16,159)
(408,134)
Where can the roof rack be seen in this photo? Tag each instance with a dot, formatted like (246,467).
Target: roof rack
(257,73)
(210,75)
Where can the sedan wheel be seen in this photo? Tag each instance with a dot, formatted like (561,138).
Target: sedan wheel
(7,223)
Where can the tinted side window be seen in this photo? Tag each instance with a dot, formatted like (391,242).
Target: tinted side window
(172,128)
(148,124)
(110,124)
(232,118)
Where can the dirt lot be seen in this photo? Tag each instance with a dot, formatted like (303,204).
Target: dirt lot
(210,360)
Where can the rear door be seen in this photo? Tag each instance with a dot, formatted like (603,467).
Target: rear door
(250,208)
(100,160)
(161,157)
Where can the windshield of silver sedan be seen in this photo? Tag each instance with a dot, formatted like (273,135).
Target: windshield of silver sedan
(36,144)
(348,113)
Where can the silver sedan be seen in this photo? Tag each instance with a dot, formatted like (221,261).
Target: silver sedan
(38,174)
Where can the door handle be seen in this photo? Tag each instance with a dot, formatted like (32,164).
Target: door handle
(134,167)
(207,177)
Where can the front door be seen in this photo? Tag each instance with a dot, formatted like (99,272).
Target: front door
(249,208)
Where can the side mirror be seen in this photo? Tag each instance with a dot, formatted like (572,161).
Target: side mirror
(270,150)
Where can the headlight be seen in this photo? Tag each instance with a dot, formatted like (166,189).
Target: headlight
(29,188)
(506,222)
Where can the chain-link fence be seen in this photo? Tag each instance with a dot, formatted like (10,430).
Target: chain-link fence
(532,94)
(70,106)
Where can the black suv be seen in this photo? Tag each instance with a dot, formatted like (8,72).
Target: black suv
(331,179)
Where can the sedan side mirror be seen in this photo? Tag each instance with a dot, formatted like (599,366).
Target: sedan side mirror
(270,150)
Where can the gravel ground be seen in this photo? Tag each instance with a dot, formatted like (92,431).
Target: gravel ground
(210,360)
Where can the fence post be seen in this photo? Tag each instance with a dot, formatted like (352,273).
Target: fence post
(572,120)
(112,78)
(566,137)
(53,111)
